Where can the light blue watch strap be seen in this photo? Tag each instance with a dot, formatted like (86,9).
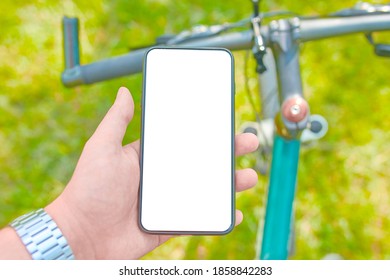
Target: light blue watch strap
(41,236)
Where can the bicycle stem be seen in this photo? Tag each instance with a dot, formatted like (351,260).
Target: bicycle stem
(294,116)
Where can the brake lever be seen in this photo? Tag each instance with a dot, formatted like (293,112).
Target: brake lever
(259,49)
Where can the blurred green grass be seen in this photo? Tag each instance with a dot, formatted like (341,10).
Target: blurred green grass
(343,196)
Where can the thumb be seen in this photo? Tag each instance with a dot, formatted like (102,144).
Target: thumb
(113,127)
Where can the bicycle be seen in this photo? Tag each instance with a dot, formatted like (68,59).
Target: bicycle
(279,41)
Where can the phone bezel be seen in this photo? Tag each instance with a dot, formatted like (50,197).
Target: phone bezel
(143,102)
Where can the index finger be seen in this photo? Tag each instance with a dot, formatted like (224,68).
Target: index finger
(246,143)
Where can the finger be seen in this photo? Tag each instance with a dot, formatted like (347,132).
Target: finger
(113,126)
(246,143)
(239,217)
(245,179)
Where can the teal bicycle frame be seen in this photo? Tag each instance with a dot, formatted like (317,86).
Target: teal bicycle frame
(281,193)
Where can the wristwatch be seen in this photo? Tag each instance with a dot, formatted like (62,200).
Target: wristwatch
(41,236)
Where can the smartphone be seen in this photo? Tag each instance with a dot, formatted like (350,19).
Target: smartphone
(187,142)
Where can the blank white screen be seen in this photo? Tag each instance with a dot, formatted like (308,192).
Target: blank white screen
(187,173)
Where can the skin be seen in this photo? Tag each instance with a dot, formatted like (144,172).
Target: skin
(98,210)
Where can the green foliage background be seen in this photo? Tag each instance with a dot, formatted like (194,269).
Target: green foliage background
(343,196)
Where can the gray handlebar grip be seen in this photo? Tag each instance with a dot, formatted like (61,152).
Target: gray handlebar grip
(70,35)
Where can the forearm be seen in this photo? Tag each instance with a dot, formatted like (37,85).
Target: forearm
(11,247)
(72,230)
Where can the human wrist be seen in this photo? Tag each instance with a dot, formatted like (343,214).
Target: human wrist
(11,247)
(72,229)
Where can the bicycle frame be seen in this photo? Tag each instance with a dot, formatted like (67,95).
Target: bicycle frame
(283,38)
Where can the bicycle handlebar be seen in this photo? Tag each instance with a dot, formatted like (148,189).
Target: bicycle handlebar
(304,30)
(314,29)
(131,63)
